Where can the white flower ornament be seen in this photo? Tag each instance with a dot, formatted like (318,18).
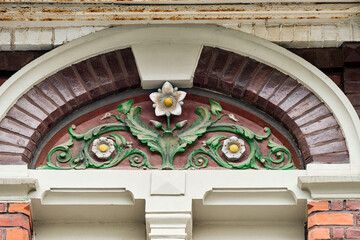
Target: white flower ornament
(103,147)
(167,100)
(233,148)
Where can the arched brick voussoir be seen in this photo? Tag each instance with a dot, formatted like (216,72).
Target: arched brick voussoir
(58,96)
(314,127)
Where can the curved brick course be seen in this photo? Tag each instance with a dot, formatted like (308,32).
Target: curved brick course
(47,102)
(307,118)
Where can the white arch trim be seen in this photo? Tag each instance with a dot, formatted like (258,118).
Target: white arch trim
(238,42)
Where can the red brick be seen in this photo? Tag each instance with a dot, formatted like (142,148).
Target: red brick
(353,233)
(317,113)
(229,78)
(338,233)
(328,148)
(250,68)
(3,207)
(9,137)
(337,205)
(351,52)
(59,84)
(103,74)
(354,98)
(318,206)
(131,68)
(14,149)
(20,208)
(76,86)
(6,159)
(352,205)
(323,136)
(336,79)
(323,123)
(22,129)
(322,219)
(352,87)
(117,71)
(17,234)
(14,220)
(257,82)
(52,94)
(31,109)
(2,234)
(275,80)
(351,74)
(358,219)
(319,233)
(92,84)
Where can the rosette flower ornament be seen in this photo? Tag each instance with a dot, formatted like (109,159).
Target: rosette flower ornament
(103,147)
(167,100)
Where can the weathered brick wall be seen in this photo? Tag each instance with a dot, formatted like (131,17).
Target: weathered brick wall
(334,220)
(15,221)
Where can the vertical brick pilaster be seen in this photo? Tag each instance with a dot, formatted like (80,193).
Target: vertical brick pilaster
(334,220)
(15,221)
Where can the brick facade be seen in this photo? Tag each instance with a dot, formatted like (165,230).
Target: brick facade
(15,221)
(335,219)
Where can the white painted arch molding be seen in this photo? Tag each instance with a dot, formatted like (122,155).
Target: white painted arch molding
(196,35)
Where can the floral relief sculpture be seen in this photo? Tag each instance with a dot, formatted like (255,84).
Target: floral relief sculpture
(109,148)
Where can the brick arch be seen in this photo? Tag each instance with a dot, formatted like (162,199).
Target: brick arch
(306,117)
(60,94)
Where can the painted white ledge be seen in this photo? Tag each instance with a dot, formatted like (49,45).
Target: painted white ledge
(16,189)
(241,43)
(331,187)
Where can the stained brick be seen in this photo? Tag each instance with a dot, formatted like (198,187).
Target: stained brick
(58,83)
(248,70)
(91,83)
(353,233)
(52,94)
(326,122)
(351,52)
(319,233)
(318,206)
(17,234)
(218,68)
(321,219)
(130,66)
(118,73)
(30,108)
(26,119)
(319,112)
(351,74)
(76,86)
(230,75)
(3,207)
(293,99)
(16,127)
(337,205)
(323,136)
(354,98)
(202,68)
(358,219)
(353,205)
(103,74)
(339,157)
(7,137)
(45,104)
(286,88)
(338,233)
(352,86)
(257,82)
(11,159)
(269,88)
(328,148)
(304,106)
(14,220)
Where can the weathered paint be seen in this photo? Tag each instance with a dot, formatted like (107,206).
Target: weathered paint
(72,12)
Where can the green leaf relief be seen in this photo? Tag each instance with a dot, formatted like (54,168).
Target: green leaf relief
(125,106)
(215,107)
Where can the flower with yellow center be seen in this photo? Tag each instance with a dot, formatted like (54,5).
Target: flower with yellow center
(233,148)
(103,147)
(167,100)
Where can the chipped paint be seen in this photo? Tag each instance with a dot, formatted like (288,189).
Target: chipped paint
(66,12)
